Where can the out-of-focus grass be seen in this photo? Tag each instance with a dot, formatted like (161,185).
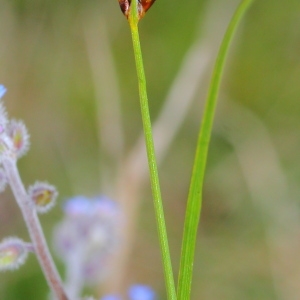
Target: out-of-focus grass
(44,63)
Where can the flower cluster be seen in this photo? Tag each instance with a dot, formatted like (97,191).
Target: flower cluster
(14,143)
(88,236)
(85,239)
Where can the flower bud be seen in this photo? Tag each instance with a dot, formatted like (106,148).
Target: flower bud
(18,133)
(43,196)
(13,253)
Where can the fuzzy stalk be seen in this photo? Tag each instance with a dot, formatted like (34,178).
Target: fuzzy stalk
(34,228)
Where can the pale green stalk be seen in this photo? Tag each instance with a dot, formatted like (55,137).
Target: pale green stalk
(196,187)
(158,206)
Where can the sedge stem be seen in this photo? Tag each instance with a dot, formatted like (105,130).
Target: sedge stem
(158,206)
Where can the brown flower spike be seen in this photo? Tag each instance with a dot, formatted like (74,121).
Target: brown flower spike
(143,6)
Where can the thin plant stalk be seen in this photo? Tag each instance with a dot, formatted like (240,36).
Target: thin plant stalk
(34,229)
(196,187)
(158,206)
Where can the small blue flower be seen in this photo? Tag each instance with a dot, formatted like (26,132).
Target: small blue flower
(141,292)
(135,292)
(2,90)
(83,206)
(88,235)
(79,205)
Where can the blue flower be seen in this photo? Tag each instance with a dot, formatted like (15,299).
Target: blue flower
(2,90)
(84,206)
(141,292)
(88,235)
(78,205)
(135,292)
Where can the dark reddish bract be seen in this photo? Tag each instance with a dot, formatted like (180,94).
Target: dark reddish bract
(143,6)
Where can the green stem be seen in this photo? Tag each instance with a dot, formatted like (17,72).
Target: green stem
(158,206)
(195,193)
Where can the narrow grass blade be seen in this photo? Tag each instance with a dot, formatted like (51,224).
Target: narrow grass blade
(195,193)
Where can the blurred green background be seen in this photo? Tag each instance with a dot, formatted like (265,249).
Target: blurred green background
(70,74)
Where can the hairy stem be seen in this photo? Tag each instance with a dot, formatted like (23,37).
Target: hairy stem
(34,229)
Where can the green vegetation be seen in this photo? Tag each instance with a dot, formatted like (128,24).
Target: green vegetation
(48,68)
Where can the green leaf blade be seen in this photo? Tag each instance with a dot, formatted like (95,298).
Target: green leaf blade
(194,204)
